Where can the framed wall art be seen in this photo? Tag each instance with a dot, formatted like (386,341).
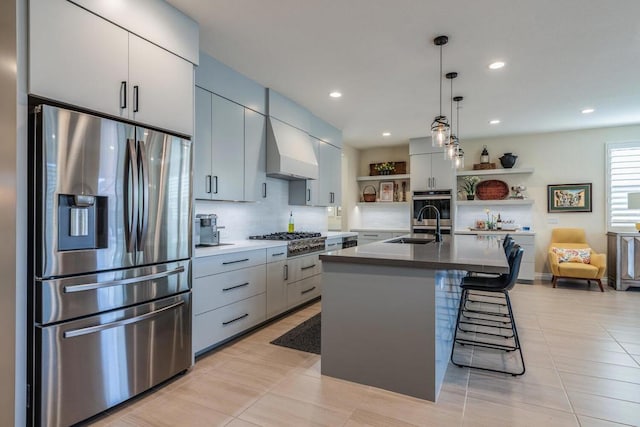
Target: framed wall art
(386,191)
(569,198)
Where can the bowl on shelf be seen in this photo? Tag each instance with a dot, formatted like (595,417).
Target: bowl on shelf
(492,189)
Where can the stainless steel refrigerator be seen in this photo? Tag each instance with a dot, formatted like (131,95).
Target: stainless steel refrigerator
(110,298)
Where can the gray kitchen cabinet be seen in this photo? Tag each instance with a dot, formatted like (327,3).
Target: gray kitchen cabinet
(326,190)
(202,145)
(255,155)
(219,148)
(160,87)
(113,72)
(229,150)
(68,66)
(277,280)
(286,110)
(329,174)
(305,192)
(430,171)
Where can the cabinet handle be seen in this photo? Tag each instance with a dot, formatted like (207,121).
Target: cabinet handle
(215,181)
(370,235)
(308,267)
(135,99)
(123,95)
(286,272)
(307,291)
(235,262)
(235,287)
(278,254)
(235,320)
(332,244)
(434,182)
(264,189)
(207,184)
(308,194)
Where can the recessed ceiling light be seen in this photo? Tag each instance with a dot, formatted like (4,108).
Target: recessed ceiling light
(335,94)
(496,65)
(386,133)
(494,122)
(588,110)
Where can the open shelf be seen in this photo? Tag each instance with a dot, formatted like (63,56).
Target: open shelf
(482,172)
(495,202)
(383,177)
(382,203)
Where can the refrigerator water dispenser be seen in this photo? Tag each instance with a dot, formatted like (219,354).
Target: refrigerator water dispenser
(82,222)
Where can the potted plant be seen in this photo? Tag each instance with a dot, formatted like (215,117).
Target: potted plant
(385,168)
(469,183)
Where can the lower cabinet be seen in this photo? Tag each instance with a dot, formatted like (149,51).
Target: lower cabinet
(235,292)
(217,325)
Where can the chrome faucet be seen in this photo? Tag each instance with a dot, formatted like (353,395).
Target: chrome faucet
(419,218)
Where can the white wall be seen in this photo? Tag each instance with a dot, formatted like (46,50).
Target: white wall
(244,219)
(559,158)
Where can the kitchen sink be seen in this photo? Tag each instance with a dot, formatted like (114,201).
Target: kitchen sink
(412,241)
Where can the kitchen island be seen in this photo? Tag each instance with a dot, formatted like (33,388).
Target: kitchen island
(389,308)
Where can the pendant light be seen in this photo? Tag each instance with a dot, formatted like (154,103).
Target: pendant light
(458,157)
(451,145)
(440,129)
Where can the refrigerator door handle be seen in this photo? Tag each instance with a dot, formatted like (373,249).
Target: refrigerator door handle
(99,328)
(144,215)
(131,185)
(93,286)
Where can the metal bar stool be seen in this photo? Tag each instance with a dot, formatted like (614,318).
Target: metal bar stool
(493,319)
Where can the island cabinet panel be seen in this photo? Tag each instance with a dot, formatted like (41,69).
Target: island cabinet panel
(86,61)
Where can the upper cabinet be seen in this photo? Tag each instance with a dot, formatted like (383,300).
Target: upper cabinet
(229,150)
(286,110)
(330,167)
(84,60)
(325,132)
(429,169)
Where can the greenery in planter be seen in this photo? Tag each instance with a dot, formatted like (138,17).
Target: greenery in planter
(469,183)
(385,168)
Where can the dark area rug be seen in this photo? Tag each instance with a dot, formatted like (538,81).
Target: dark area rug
(304,337)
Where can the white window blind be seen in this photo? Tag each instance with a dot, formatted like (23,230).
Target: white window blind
(623,177)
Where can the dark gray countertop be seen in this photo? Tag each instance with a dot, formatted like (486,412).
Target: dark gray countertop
(481,253)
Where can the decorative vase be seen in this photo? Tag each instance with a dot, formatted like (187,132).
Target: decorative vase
(471,196)
(508,160)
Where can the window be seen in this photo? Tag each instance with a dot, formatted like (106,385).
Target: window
(623,177)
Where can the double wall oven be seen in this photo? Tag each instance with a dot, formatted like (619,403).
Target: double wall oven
(441,200)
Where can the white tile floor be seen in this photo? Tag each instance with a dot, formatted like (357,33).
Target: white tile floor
(581,347)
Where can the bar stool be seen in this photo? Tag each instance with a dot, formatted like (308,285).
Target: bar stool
(489,317)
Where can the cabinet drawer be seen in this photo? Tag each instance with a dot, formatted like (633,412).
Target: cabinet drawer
(333,244)
(276,254)
(303,290)
(303,267)
(217,290)
(215,264)
(214,326)
(374,236)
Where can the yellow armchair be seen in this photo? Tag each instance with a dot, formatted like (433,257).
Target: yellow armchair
(574,238)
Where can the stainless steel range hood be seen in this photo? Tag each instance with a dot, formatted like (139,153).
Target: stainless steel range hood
(290,152)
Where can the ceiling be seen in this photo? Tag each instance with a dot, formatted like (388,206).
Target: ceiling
(561,56)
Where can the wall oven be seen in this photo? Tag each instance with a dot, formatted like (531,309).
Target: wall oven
(440,199)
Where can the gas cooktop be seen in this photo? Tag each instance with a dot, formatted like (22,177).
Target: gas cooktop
(298,243)
(286,236)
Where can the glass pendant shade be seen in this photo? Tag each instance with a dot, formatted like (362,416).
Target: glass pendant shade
(458,159)
(451,149)
(440,131)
